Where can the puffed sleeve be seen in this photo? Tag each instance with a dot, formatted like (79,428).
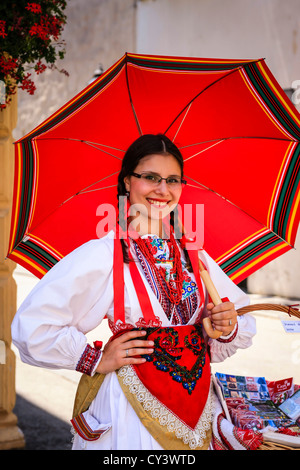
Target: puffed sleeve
(241,337)
(69,301)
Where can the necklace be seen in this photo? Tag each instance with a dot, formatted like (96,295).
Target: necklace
(173,287)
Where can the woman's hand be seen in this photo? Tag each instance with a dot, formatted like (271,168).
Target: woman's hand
(223,317)
(124,350)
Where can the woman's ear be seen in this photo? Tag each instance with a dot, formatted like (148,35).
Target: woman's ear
(127,183)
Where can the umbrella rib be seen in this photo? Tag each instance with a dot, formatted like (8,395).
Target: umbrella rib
(91,144)
(82,191)
(206,88)
(235,205)
(204,150)
(101,150)
(182,122)
(92,190)
(130,99)
(85,190)
(218,141)
(237,137)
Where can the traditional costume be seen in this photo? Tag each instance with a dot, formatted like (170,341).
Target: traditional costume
(168,402)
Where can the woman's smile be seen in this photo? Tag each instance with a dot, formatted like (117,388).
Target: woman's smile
(158,202)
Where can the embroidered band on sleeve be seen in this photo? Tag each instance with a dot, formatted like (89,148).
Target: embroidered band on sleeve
(230,337)
(89,360)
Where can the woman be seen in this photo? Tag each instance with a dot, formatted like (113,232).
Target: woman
(155,388)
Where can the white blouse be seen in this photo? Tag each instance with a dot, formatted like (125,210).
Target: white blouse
(73,298)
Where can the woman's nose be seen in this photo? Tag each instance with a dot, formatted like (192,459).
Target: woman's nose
(162,187)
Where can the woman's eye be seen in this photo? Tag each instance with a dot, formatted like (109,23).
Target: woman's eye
(150,177)
(173,180)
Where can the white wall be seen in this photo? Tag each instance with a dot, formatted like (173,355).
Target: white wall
(237,29)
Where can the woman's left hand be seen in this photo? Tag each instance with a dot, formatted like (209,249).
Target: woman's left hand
(223,317)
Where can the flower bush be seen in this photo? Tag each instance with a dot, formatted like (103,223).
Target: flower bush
(29,42)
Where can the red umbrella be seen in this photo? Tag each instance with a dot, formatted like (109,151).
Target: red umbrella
(238,133)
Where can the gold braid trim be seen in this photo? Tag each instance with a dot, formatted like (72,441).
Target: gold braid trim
(87,390)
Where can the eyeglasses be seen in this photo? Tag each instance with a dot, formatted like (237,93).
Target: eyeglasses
(154,179)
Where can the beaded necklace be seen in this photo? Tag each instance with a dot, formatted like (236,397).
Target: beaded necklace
(173,286)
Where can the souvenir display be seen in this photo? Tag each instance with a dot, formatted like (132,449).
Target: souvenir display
(250,406)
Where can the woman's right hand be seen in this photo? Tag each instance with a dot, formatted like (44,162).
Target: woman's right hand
(114,353)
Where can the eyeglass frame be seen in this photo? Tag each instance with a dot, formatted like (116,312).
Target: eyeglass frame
(140,175)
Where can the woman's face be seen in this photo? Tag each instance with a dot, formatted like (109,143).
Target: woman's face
(154,201)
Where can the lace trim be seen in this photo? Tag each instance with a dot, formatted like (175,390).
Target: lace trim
(192,437)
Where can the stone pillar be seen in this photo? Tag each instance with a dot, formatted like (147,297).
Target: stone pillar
(11,436)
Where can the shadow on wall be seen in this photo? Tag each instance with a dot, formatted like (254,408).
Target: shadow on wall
(42,430)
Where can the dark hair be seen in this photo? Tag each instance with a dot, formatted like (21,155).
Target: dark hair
(147,144)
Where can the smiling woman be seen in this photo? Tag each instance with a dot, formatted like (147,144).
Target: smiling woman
(150,386)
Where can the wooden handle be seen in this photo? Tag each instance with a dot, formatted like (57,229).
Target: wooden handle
(214,334)
(210,288)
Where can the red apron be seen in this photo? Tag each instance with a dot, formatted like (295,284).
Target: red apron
(177,373)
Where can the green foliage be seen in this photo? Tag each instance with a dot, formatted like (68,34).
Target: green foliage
(29,41)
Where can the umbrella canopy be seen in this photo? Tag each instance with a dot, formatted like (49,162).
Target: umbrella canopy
(237,131)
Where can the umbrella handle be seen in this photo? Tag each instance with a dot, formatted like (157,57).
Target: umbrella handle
(214,334)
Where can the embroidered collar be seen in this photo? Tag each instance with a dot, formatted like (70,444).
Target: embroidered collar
(160,248)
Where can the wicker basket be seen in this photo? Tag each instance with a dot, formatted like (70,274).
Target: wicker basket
(274,446)
(268,445)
